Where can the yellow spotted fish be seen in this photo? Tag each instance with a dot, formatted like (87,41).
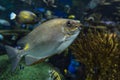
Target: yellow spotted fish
(27,17)
(47,39)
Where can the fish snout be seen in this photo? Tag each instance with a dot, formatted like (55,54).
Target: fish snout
(78,25)
(73,26)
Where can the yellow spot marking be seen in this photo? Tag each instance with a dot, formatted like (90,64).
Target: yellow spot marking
(26,46)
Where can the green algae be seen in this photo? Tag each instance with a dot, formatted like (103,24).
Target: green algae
(34,72)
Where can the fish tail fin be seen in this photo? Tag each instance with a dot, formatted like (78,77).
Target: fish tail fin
(14,56)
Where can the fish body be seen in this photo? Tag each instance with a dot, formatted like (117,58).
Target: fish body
(2,8)
(27,17)
(46,40)
(24,17)
(4,22)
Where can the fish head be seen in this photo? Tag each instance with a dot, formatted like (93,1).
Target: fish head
(71,26)
(70,29)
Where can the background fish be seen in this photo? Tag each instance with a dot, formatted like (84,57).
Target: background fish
(24,17)
(2,8)
(46,40)
(54,75)
(4,22)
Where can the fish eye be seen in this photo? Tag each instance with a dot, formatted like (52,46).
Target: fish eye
(69,24)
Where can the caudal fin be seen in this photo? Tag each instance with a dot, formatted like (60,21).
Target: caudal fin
(13,55)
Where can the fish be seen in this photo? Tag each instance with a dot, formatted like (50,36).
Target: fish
(2,8)
(27,17)
(71,16)
(54,75)
(24,17)
(47,39)
(4,22)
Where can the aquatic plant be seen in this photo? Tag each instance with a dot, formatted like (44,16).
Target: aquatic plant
(100,52)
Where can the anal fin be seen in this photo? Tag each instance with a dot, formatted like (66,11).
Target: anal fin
(30,60)
(33,60)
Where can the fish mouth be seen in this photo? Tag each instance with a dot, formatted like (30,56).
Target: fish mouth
(72,34)
(76,27)
(74,31)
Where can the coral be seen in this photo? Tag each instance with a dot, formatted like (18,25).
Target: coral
(100,52)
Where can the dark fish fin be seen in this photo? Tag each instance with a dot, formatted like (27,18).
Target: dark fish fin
(13,55)
(30,60)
